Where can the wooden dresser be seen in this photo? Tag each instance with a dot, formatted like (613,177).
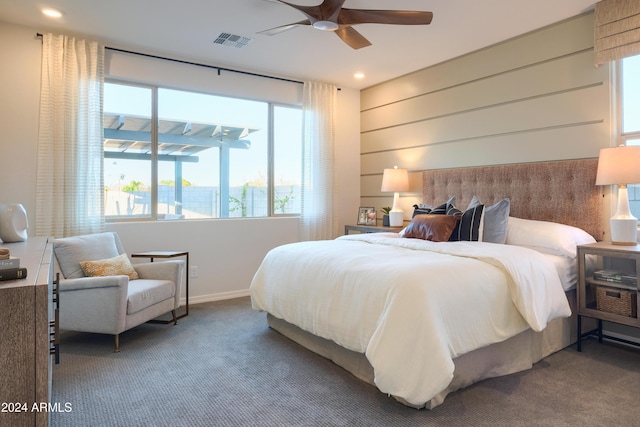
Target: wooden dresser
(27,333)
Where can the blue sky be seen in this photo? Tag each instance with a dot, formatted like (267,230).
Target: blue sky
(246,165)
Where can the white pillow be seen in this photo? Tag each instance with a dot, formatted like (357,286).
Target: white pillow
(547,237)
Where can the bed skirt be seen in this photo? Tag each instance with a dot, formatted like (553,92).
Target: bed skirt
(516,354)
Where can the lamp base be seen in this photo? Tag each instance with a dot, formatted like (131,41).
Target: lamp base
(396,218)
(624,231)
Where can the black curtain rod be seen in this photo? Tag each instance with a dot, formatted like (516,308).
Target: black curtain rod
(205,65)
(198,64)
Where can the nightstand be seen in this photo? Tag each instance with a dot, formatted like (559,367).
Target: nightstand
(607,287)
(370,229)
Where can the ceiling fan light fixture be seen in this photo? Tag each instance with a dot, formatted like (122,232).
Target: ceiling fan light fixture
(325,25)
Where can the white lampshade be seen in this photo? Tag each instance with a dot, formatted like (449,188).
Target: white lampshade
(395,180)
(621,166)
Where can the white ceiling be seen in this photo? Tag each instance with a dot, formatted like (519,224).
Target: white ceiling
(185,29)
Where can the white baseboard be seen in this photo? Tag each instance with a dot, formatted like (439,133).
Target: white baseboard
(215,297)
(621,336)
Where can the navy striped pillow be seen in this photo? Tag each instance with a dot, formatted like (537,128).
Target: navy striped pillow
(420,209)
(469,227)
(440,210)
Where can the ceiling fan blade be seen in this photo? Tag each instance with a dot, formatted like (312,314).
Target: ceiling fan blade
(398,17)
(328,10)
(283,28)
(352,37)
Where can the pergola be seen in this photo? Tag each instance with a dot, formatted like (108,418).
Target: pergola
(130,137)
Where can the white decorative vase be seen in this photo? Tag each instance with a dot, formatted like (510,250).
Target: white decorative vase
(13,223)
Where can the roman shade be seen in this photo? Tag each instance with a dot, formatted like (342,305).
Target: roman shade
(616,30)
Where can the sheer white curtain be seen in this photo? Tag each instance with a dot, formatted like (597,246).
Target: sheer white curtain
(318,186)
(69,196)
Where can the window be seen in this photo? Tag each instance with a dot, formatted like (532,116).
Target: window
(127,159)
(630,89)
(205,156)
(629,126)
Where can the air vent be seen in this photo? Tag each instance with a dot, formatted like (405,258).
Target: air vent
(232,40)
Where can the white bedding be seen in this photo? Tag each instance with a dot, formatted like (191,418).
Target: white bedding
(567,269)
(409,305)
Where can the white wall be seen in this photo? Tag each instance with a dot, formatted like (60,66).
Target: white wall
(20,53)
(347,156)
(226,251)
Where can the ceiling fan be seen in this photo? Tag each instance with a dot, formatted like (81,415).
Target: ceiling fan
(331,16)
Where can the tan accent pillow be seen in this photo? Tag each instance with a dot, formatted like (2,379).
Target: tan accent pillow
(116,266)
(437,228)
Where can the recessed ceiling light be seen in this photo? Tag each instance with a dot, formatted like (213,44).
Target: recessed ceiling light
(52,13)
(359,75)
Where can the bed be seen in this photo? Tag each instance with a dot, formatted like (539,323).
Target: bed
(420,319)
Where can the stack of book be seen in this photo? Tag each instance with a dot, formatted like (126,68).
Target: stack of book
(614,276)
(10,267)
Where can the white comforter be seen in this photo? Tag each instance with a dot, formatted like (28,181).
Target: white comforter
(409,305)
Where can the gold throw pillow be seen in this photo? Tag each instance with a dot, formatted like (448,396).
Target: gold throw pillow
(116,266)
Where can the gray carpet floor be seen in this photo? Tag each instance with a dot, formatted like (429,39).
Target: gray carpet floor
(222,366)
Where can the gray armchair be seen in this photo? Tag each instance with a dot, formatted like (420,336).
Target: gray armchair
(115,303)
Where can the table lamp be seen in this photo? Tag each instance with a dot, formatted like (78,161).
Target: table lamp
(621,165)
(395,180)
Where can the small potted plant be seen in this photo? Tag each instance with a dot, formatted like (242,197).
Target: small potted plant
(385,215)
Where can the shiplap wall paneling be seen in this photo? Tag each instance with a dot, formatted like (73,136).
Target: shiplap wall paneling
(554,41)
(496,90)
(537,97)
(522,147)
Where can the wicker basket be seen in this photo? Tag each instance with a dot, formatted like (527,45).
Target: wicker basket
(617,301)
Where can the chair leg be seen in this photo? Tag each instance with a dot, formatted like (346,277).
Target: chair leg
(175,319)
(117,343)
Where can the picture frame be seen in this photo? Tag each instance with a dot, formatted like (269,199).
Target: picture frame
(366,215)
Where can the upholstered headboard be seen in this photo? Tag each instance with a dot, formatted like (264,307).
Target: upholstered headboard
(559,191)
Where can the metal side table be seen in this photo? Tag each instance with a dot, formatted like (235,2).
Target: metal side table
(169,254)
